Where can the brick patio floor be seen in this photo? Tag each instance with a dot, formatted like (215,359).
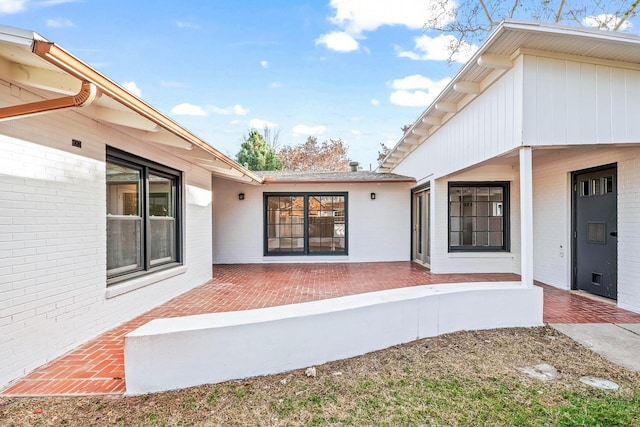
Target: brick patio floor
(97,367)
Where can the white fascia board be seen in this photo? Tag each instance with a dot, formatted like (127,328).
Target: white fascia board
(18,36)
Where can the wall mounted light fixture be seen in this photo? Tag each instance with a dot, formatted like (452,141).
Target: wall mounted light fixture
(241,196)
(373,196)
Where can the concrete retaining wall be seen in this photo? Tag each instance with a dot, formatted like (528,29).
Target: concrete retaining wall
(173,353)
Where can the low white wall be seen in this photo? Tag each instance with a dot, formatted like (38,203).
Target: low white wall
(173,353)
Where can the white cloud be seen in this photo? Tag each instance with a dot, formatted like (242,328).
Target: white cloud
(235,122)
(59,23)
(187,109)
(304,130)
(188,25)
(133,88)
(261,124)
(416,90)
(357,16)
(8,7)
(356,132)
(240,110)
(418,81)
(264,64)
(438,48)
(338,41)
(605,21)
(234,109)
(416,98)
(276,85)
(374,102)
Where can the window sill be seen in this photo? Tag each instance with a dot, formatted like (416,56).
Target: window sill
(306,258)
(141,282)
(480,254)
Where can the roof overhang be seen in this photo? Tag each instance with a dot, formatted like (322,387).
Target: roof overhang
(59,78)
(496,56)
(337,181)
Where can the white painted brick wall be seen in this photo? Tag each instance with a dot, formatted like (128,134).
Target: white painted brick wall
(379,230)
(53,237)
(552,216)
(566,104)
(629,232)
(442,261)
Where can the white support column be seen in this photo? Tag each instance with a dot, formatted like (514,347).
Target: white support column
(526,216)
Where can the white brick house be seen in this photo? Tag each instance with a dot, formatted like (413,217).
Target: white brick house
(106,207)
(67,133)
(528,162)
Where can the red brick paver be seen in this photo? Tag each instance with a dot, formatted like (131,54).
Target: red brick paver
(97,367)
(574,307)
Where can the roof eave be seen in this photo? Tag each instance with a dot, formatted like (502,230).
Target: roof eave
(340,181)
(65,61)
(393,159)
(472,62)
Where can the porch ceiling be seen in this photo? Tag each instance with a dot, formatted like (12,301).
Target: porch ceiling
(542,154)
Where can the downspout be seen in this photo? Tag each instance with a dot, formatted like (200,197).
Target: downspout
(86,96)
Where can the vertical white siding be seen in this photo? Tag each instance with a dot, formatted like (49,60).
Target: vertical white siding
(568,102)
(379,230)
(53,293)
(487,127)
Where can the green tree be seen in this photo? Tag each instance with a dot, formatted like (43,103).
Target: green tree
(257,154)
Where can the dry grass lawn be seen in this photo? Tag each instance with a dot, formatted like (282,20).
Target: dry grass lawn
(459,379)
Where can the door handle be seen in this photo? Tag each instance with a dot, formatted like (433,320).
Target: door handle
(613,234)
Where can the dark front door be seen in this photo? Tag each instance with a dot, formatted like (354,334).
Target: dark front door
(596,232)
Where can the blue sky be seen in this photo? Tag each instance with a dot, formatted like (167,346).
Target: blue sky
(352,69)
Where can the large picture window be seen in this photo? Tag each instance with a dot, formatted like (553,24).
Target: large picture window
(478,216)
(143,206)
(305,224)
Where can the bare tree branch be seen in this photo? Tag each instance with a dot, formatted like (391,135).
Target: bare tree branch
(515,6)
(486,13)
(559,13)
(626,15)
(470,21)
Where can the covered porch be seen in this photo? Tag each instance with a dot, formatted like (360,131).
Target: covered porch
(97,367)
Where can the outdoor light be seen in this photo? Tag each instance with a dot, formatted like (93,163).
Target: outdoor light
(241,196)
(373,196)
